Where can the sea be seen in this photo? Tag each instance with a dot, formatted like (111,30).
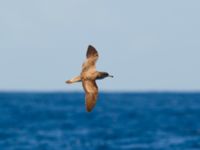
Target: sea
(119,121)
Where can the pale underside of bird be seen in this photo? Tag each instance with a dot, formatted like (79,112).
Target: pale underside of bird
(88,77)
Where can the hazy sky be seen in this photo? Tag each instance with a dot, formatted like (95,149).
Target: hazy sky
(146,45)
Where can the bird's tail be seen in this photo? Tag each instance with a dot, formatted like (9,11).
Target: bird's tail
(73,80)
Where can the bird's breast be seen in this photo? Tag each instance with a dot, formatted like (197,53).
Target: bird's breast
(88,77)
(90,74)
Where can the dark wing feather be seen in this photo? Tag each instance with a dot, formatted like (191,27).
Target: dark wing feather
(91,52)
(92,56)
(91,94)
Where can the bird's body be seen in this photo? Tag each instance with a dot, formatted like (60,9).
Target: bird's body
(88,76)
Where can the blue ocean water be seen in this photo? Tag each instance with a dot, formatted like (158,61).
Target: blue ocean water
(120,121)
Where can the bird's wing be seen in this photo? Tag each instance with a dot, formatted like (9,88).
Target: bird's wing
(73,80)
(92,56)
(91,52)
(91,93)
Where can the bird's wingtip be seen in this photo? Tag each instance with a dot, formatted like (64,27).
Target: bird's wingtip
(91,46)
(89,110)
(68,82)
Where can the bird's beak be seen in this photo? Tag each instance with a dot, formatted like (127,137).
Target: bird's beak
(111,76)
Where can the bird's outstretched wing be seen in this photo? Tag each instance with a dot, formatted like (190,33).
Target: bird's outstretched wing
(91,93)
(92,56)
(73,80)
(91,52)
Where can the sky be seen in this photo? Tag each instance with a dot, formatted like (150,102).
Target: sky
(147,45)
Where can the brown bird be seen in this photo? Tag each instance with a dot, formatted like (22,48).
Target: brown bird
(88,77)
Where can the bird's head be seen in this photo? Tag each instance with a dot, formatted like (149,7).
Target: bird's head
(102,75)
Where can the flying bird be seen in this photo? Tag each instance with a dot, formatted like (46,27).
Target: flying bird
(88,77)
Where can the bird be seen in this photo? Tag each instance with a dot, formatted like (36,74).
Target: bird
(88,77)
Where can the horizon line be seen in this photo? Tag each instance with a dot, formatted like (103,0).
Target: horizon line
(101,91)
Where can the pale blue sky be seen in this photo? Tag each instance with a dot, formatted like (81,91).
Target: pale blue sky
(146,45)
